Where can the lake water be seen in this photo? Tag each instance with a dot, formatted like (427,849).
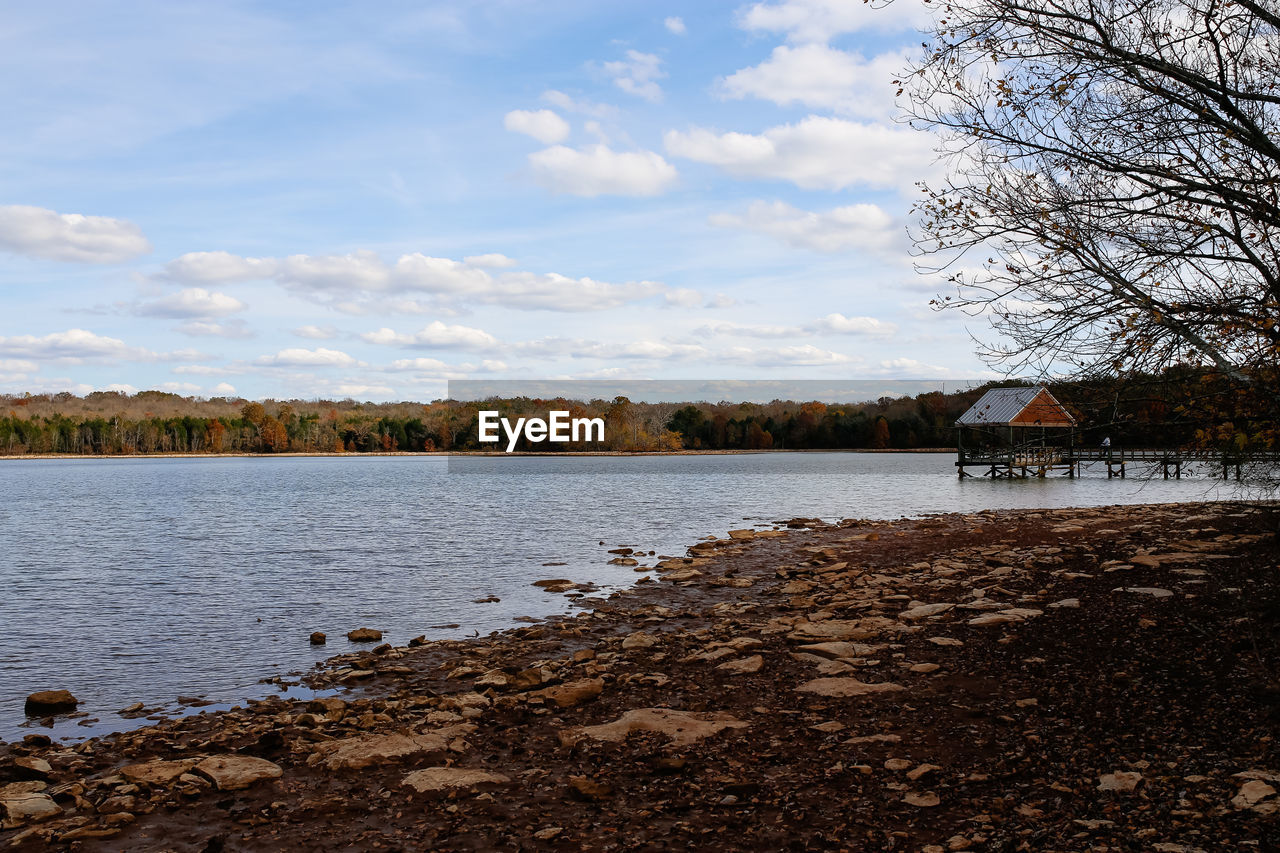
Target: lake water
(139,580)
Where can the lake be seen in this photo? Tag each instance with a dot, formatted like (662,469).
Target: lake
(140,580)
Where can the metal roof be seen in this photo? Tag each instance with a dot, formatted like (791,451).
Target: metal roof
(1014,406)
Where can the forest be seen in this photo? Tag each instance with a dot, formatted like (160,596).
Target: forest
(1166,410)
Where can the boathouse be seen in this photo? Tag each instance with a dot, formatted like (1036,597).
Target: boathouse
(1016,432)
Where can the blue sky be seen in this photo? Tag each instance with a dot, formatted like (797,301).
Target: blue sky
(331,200)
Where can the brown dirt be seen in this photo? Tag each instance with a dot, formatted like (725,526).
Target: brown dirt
(1010,736)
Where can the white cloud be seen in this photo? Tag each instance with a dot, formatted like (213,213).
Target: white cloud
(493,260)
(202,370)
(816,153)
(224,389)
(836,324)
(192,302)
(599,170)
(842,325)
(435,335)
(751,330)
(187,388)
(298,357)
(362,270)
(217,268)
(684,298)
(573,105)
(361,282)
(214,329)
(316,333)
(14,365)
(855,226)
(40,233)
(421,365)
(675,25)
(637,75)
(822,20)
(804,355)
(816,75)
(543,125)
(73,345)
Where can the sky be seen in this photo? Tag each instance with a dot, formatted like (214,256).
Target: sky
(330,200)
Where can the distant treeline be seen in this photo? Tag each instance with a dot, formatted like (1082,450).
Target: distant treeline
(1151,411)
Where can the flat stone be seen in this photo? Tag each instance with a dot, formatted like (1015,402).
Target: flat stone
(743,666)
(925,668)
(682,727)
(924,611)
(574,693)
(639,640)
(946,641)
(31,767)
(841,650)
(1070,603)
(841,629)
(19,809)
(847,687)
(356,753)
(237,772)
(1251,793)
(925,800)
(1153,591)
(158,773)
(364,635)
(1122,781)
(443,779)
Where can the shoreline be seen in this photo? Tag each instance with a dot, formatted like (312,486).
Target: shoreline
(446,454)
(725,614)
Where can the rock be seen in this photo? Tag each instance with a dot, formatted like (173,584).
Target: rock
(1070,603)
(742,534)
(236,772)
(445,779)
(682,727)
(840,650)
(574,693)
(47,702)
(19,809)
(157,773)
(840,629)
(549,833)
(364,635)
(743,666)
(318,638)
(356,753)
(896,764)
(556,585)
(994,619)
(926,800)
(829,727)
(1153,591)
(639,640)
(846,687)
(589,789)
(946,641)
(29,767)
(1122,781)
(924,611)
(922,770)
(1251,793)
(925,668)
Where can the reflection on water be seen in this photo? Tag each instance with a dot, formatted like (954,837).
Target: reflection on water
(130,580)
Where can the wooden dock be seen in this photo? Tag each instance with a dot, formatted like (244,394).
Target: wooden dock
(1039,461)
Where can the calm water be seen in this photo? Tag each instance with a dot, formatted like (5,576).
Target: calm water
(145,579)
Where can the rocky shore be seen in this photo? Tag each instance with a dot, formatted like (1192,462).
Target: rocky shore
(1084,679)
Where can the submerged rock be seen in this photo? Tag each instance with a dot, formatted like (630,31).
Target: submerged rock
(46,702)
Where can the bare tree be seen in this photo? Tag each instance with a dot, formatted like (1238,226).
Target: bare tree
(1113,168)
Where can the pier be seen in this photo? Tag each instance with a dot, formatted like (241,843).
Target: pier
(1041,461)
